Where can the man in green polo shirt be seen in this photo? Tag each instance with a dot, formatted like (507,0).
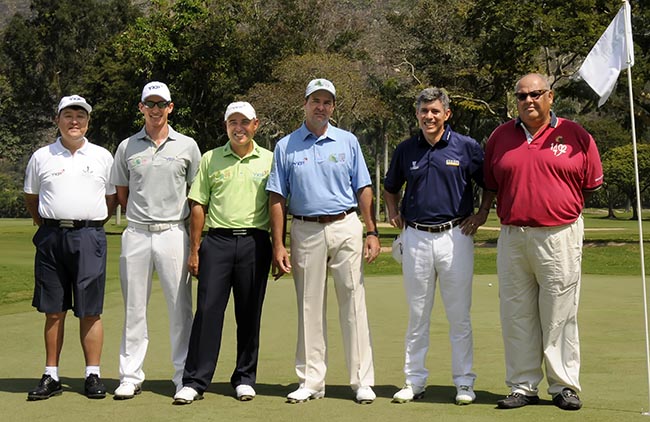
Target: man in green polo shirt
(235,254)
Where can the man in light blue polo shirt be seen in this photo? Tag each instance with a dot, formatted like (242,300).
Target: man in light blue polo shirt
(319,176)
(152,172)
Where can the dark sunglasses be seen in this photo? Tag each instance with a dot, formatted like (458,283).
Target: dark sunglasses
(159,104)
(534,95)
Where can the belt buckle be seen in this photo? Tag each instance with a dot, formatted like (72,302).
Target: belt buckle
(239,232)
(66,224)
(159,227)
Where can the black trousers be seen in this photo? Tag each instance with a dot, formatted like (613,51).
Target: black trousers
(226,262)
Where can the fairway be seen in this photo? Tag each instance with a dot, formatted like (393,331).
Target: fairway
(613,375)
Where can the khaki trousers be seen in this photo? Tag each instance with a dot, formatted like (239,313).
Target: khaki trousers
(539,289)
(315,249)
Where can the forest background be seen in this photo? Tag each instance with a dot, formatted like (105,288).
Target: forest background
(378,53)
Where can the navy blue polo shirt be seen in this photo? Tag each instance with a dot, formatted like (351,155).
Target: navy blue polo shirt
(438,179)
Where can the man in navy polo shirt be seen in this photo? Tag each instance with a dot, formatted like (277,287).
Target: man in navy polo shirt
(438,166)
(69,197)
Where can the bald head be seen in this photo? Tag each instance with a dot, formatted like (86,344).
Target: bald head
(536,79)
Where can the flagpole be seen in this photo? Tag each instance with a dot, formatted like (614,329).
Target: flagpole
(638,204)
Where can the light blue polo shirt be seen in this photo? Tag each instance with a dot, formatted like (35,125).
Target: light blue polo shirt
(318,176)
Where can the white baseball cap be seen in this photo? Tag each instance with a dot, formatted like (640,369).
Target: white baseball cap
(74,100)
(320,84)
(156,88)
(240,107)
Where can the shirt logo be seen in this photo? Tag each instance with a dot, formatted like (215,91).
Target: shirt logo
(558,148)
(300,163)
(414,165)
(138,161)
(87,170)
(454,163)
(340,158)
(58,173)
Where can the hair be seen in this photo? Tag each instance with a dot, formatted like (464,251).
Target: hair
(428,95)
(543,78)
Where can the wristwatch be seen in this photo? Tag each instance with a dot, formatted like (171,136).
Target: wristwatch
(372,233)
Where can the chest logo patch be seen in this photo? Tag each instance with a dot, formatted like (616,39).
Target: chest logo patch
(454,163)
(337,158)
(300,163)
(558,147)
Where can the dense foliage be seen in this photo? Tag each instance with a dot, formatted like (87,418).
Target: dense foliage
(378,53)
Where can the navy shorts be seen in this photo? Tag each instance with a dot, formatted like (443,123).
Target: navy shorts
(70,264)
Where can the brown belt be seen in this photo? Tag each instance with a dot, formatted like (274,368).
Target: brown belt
(324,219)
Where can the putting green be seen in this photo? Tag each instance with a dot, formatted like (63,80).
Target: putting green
(613,363)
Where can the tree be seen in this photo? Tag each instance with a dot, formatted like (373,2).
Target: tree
(45,57)
(618,166)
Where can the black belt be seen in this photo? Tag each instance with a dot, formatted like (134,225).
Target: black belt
(235,232)
(437,228)
(325,218)
(71,224)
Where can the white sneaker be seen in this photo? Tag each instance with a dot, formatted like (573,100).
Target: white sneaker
(126,390)
(465,394)
(408,393)
(245,392)
(365,395)
(187,395)
(303,394)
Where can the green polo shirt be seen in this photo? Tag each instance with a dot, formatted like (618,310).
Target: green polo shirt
(234,188)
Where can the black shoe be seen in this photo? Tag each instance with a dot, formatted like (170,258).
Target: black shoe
(567,400)
(514,400)
(46,388)
(94,387)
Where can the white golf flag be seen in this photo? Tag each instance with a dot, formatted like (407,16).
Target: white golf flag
(612,53)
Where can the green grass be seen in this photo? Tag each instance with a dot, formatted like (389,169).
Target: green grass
(611,247)
(611,325)
(613,366)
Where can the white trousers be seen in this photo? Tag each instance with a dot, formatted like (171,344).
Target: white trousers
(539,290)
(315,249)
(142,252)
(449,258)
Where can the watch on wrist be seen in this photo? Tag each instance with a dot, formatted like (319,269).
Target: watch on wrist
(372,233)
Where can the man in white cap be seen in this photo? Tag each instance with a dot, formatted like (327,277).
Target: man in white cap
(69,197)
(235,255)
(320,170)
(152,172)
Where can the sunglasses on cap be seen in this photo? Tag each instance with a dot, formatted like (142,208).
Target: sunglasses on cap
(534,95)
(159,104)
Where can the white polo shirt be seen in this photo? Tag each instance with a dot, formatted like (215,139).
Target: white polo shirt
(70,186)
